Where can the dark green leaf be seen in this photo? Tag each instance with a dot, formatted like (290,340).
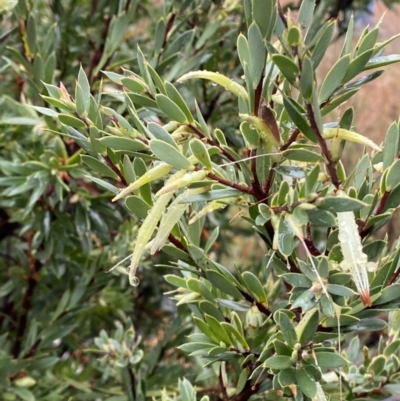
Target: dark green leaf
(99,167)
(368,325)
(340,290)
(298,118)
(278,362)
(323,43)
(254,286)
(382,61)
(214,194)
(393,176)
(339,204)
(257,54)
(303,155)
(306,382)
(297,280)
(388,294)
(330,360)
(334,78)
(169,154)
(288,68)
(223,284)
(71,121)
(171,109)
(285,237)
(176,97)
(200,151)
(160,133)
(118,143)
(287,328)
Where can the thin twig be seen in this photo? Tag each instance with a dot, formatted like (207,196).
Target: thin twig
(268,182)
(364,232)
(291,139)
(225,396)
(116,170)
(261,307)
(323,145)
(255,182)
(239,187)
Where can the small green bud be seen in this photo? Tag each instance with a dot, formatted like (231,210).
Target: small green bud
(25,382)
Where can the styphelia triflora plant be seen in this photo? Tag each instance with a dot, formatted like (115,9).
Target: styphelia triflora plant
(286,326)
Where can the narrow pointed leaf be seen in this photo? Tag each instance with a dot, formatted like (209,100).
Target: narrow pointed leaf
(169,154)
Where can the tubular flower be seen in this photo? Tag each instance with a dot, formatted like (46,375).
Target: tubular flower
(354,259)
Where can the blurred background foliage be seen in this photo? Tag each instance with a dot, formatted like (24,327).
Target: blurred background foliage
(68,330)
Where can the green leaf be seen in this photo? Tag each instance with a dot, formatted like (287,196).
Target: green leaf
(293,36)
(306,13)
(137,206)
(243,50)
(393,176)
(307,75)
(171,109)
(285,237)
(392,388)
(357,65)
(287,328)
(176,97)
(287,67)
(391,147)
(264,13)
(83,83)
(378,365)
(287,377)
(306,382)
(219,79)
(323,42)
(233,332)
(257,54)
(24,394)
(214,194)
(163,135)
(303,155)
(307,326)
(292,108)
(250,134)
(222,283)
(104,184)
(278,362)
(334,78)
(388,294)
(382,61)
(254,286)
(135,85)
(368,325)
(330,360)
(368,41)
(340,290)
(170,155)
(297,280)
(200,151)
(218,330)
(99,167)
(118,143)
(339,204)
(142,100)
(71,121)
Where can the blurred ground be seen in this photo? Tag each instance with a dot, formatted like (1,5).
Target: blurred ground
(377,104)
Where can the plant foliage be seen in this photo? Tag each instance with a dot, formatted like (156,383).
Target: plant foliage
(131,164)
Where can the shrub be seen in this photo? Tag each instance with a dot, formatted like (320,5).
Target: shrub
(193,166)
